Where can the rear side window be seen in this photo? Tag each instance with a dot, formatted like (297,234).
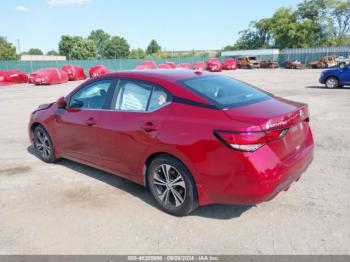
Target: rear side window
(158,99)
(224,92)
(139,97)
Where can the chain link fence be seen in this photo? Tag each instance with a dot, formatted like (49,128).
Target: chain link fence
(304,55)
(307,55)
(112,64)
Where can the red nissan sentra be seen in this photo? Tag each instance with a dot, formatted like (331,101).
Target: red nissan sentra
(192,138)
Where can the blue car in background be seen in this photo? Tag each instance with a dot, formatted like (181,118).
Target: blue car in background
(337,77)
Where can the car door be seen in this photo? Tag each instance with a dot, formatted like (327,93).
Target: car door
(345,75)
(77,125)
(137,113)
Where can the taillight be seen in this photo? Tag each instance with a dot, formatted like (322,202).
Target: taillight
(249,141)
(305,114)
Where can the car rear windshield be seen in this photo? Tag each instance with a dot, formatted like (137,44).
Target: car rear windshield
(225,92)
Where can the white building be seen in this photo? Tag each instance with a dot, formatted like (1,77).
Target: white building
(42,58)
(257,52)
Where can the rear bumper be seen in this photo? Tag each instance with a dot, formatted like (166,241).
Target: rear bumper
(293,176)
(259,178)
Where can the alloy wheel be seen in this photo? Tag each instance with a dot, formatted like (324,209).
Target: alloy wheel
(42,144)
(169,185)
(332,83)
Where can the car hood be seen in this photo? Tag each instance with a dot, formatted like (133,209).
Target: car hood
(337,70)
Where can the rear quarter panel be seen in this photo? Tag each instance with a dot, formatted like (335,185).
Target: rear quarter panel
(188,135)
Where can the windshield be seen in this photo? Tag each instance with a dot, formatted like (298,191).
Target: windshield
(224,92)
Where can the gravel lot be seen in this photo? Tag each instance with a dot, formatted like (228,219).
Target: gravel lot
(68,208)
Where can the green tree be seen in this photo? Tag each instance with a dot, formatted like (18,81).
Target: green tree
(316,13)
(285,29)
(341,14)
(52,52)
(313,23)
(7,50)
(308,26)
(137,53)
(153,47)
(117,47)
(101,39)
(66,44)
(84,49)
(161,54)
(230,48)
(35,51)
(257,36)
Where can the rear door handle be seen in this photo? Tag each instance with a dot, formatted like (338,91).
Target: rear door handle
(90,122)
(149,127)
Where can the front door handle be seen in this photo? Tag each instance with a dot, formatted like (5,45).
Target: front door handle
(90,122)
(149,127)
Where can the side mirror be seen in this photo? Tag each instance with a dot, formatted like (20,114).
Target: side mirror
(61,102)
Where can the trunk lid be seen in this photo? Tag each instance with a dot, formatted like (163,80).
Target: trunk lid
(274,114)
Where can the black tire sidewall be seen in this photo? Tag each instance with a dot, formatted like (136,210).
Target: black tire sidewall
(190,202)
(52,158)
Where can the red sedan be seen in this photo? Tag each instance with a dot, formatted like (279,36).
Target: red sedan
(74,72)
(199,66)
(147,65)
(229,64)
(171,64)
(214,65)
(164,66)
(185,66)
(192,138)
(12,77)
(48,76)
(98,70)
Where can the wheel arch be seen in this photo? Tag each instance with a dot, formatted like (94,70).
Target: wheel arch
(32,128)
(154,155)
(333,76)
(34,125)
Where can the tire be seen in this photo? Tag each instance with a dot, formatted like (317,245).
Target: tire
(177,199)
(332,82)
(43,145)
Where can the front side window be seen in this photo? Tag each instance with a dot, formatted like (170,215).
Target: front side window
(139,97)
(93,96)
(224,92)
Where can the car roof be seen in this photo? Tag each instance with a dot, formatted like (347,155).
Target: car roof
(168,75)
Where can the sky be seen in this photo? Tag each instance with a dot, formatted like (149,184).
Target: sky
(175,24)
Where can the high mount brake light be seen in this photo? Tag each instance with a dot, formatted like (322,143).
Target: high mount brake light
(249,141)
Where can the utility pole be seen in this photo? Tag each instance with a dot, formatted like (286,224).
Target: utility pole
(19,46)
